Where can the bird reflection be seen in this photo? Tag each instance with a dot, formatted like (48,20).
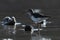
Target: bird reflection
(40,37)
(7,39)
(9,29)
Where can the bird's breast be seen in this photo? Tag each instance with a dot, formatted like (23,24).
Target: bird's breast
(35,19)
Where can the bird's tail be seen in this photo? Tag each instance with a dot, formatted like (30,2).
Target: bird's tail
(48,16)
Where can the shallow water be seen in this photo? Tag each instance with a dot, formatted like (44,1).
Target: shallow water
(51,32)
(45,34)
(17,8)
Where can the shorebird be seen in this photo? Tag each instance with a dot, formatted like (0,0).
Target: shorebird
(37,18)
(9,20)
(29,28)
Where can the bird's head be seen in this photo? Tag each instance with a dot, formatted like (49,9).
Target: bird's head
(30,11)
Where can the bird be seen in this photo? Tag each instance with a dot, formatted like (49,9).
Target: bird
(29,28)
(9,20)
(36,17)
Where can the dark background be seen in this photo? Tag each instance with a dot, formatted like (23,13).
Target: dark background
(21,5)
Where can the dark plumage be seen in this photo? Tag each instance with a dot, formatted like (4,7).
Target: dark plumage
(37,15)
(27,28)
(7,21)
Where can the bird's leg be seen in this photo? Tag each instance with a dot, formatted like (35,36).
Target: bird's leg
(39,26)
(34,24)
